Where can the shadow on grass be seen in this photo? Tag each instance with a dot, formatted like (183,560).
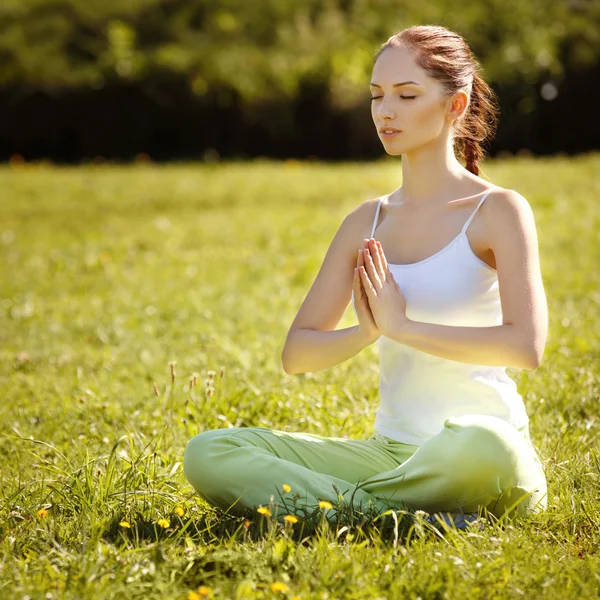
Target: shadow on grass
(218,527)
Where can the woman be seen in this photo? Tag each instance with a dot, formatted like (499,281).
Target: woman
(460,299)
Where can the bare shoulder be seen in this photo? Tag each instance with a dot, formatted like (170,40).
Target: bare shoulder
(365,210)
(360,220)
(508,215)
(506,204)
(505,199)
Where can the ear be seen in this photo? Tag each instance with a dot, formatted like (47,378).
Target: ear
(457,105)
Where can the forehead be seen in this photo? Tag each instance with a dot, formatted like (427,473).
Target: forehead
(395,65)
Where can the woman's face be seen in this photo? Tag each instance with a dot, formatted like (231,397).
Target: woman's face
(418,109)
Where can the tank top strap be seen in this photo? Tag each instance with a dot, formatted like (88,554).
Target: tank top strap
(376,217)
(476,209)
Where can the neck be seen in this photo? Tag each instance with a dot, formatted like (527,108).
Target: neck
(432,173)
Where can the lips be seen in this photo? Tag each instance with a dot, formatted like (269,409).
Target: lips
(389,132)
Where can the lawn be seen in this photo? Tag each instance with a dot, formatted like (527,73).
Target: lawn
(142,304)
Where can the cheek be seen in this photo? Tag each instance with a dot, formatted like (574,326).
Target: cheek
(425,114)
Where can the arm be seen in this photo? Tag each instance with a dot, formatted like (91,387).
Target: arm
(312,342)
(520,340)
(499,345)
(311,350)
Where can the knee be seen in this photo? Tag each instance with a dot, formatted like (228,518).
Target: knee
(487,444)
(199,456)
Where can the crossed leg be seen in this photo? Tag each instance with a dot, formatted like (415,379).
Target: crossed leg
(475,461)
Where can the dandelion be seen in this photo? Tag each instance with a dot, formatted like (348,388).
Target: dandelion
(194,596)
(42,513)
(263,510)
(180,511)
(279,586)
(291,518)
(204,590)
(325,504)
(164,523)
(286,487)
(125,524)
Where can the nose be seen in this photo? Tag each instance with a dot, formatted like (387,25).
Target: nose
(385,111)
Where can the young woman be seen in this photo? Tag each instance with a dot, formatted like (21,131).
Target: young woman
(452,293)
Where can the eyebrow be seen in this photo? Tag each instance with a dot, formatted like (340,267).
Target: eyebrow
(396,84)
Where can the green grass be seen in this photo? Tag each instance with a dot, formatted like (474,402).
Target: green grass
(110,273)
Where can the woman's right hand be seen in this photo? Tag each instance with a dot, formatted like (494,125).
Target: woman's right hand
(366,322)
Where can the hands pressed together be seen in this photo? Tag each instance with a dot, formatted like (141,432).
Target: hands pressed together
(378,300)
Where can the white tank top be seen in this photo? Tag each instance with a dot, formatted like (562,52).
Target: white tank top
(419,391)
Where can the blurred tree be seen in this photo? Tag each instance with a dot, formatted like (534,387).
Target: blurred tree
(249,56)
(263,48)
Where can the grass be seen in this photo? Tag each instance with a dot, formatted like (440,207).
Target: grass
(142,304)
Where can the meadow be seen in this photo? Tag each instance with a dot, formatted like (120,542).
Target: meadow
(142,304)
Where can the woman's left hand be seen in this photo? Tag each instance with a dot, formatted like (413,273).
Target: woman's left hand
(385,297)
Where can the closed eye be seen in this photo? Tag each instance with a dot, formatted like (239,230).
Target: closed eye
(405,97)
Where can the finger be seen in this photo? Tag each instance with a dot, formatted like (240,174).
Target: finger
(363,263)
(372,270)
(377,262)
(356,278)
(361,290)
(357,286)
(360,263)
(384,263)
(367,285)
(383,258)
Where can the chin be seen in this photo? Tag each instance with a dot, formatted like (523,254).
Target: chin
(393,151)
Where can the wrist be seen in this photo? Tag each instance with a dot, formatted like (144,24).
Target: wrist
(366,339)
(402,330)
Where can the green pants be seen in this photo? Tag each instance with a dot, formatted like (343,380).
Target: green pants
(475,461)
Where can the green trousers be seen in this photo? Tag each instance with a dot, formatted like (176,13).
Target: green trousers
(476,461)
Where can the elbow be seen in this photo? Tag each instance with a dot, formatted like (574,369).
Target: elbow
(534,359)
(285,364)
(286,370)
(531,365)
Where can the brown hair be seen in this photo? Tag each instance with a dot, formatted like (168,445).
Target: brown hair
(446,56)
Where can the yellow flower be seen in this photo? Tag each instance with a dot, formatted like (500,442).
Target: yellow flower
(42,513)
(193,596)
(125,524)
(279,586)
(263,510)
(246,523)
(291,518)
(164,523)
(325,504)
(180,511)
(286,487)
(204,590)
(296,598)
